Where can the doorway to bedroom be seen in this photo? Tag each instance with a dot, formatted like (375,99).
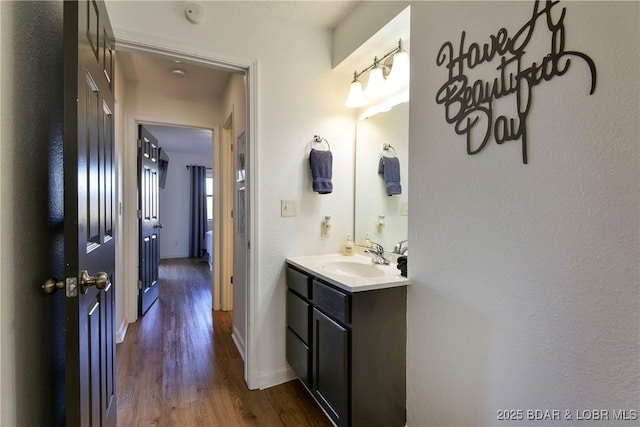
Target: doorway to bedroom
(185,194)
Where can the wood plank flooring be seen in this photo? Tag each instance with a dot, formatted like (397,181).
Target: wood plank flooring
(178,365)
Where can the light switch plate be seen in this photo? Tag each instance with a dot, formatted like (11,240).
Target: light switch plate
(288,208)
(404,208)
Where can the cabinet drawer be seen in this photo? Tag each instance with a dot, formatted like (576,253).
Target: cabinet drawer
(298,316)
(298,282)
(333,302)
(298,356)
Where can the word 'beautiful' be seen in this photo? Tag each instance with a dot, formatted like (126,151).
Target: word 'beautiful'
(470,105)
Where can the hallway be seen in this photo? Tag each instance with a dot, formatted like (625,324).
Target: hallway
(178,365)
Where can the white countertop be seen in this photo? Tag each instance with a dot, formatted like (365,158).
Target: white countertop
(390,276)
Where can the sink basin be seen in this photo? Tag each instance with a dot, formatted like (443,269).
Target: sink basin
(352,269)
(353,274)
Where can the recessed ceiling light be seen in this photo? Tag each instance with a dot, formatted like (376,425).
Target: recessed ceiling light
(178,72)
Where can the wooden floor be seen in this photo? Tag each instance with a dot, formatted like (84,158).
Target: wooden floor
(178,365)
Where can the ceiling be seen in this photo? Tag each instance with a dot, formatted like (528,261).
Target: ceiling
(201,83)
(151,72)
(326,14)
(183,139)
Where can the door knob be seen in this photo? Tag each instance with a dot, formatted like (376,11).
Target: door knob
(100,281)
(158,225)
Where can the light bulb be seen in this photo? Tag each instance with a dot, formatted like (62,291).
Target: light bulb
(375,85)
(400,72)
(356,97)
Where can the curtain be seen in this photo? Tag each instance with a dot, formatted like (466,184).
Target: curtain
(198,211)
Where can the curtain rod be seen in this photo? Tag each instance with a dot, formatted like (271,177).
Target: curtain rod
(206,167)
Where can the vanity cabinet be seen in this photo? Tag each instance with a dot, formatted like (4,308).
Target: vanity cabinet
(349,349)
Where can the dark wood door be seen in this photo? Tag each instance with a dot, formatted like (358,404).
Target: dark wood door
(89,214)
(330,366)
(148,216)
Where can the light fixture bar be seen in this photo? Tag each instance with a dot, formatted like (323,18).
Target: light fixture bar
(381,60)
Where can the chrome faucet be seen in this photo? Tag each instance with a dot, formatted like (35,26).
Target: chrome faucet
(401,247)
(377,251)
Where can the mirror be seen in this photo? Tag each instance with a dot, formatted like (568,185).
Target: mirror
(371,199)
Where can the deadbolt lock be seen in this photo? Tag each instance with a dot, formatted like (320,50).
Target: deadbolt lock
(70,285)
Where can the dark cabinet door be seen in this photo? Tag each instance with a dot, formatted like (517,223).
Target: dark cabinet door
(330,366)
(298,356)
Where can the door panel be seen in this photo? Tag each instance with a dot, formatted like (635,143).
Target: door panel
(241,243)
(330,366)
(89,212)
(149,226)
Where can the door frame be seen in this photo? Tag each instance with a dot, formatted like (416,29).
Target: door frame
(134,43)
(224,225)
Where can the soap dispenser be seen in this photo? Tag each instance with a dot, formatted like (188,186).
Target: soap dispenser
(347,249)
(366,242)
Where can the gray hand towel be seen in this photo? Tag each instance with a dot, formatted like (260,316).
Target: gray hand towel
(389,168)
(321,168)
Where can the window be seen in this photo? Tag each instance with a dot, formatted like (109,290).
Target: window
(209,188)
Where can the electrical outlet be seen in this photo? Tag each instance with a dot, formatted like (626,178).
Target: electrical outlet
(288,208)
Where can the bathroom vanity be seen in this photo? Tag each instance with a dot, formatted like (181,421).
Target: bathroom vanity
(346,337)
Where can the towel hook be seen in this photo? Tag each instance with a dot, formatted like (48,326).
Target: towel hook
(319,140)
(389,147)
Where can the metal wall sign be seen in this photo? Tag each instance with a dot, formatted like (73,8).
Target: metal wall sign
(470,105)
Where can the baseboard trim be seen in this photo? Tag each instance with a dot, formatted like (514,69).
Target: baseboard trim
(169,256)
(238,341)
(278,377)
(122,331)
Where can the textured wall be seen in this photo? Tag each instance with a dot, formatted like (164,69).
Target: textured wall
(31,200)
(525,292)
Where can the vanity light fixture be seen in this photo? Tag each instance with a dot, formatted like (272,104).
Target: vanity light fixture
(384,80)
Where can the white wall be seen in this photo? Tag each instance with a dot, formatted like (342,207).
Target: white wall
(298,96)
(175,203)
(364,21)
(32,214)
(234,101)
(525,277)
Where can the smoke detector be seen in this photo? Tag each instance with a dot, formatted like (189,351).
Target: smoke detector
(194,13)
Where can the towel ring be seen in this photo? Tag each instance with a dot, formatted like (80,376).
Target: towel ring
(389,147)
(319,140)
